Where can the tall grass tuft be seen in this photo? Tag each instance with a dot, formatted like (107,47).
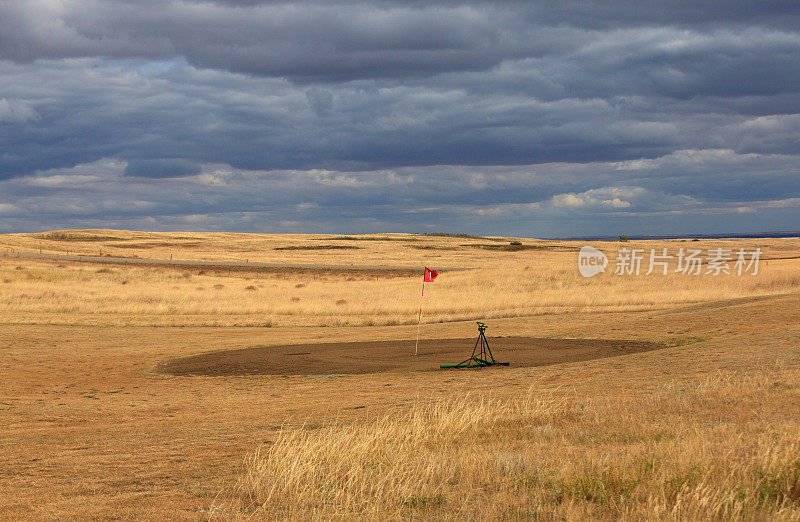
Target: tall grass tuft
(663,456)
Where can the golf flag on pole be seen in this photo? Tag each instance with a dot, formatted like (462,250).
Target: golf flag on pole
(429,276)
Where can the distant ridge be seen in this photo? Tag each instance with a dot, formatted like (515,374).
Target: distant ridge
(746,235)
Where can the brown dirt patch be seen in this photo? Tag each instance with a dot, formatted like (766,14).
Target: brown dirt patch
(394,356)
(318,247)
(154,244)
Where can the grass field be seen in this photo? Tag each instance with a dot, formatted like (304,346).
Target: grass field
(706,428)
(539,280)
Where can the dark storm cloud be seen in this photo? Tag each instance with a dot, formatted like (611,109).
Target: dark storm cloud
(297,40)
(397,112)
(319,41)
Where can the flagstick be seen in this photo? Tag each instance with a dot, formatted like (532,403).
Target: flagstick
(419,321)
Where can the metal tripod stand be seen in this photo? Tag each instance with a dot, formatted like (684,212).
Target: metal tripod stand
(481,354)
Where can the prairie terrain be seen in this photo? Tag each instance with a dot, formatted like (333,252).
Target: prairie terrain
(704,426)
(533,278)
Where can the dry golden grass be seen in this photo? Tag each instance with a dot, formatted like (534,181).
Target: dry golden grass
(680,452)
(543,280)
(372,249)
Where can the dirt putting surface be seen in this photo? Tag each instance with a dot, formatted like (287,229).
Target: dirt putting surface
(394,356)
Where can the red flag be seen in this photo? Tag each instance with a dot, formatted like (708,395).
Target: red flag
(430,275)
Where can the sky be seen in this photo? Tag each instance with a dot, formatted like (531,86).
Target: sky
(530,119)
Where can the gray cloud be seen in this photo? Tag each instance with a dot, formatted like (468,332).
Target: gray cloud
(399,114)
(162,168)
(15,111)
(544,199)
(320,100)
(320,41)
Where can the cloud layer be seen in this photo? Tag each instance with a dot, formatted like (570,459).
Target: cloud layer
(573,118)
